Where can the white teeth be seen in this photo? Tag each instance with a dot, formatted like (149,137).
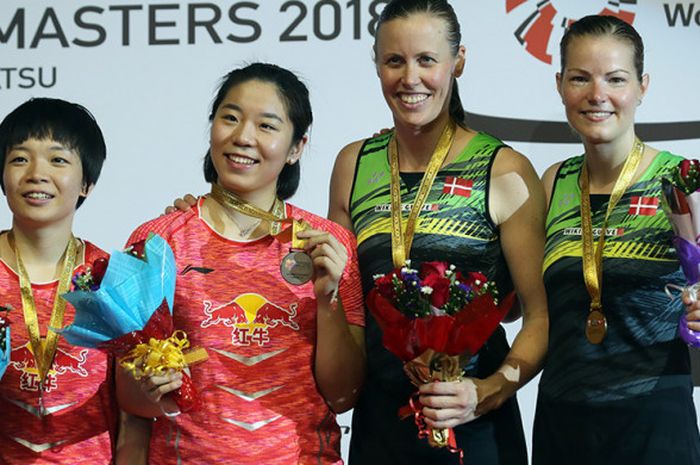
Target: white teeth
(241,160)
(598,114)
(413,98)
(38,195)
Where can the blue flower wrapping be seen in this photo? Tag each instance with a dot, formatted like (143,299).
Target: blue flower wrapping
(131,290)
(5,354)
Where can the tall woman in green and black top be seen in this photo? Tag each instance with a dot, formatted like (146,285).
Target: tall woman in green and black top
(484,211)
(616,387)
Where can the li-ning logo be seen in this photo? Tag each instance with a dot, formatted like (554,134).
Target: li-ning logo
(541,29)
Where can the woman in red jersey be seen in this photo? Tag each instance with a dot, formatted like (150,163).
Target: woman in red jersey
(270,290)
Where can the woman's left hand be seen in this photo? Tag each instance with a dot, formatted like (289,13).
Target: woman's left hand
(449,403)
(692,310)
(329,259)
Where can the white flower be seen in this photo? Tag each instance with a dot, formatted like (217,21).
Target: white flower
(426,290)
(452,267)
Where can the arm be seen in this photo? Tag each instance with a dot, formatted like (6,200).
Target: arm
(340,353)
(133,440)
(341,184)
(517,206)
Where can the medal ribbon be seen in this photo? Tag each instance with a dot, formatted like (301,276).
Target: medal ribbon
(45,350)
(401,242)
(276,215)
(593,257)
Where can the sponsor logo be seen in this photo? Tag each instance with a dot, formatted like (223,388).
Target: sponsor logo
(643,206)
(198,269)
(609,232)
(22,360)
(251,316)
(458,186)
(406,207)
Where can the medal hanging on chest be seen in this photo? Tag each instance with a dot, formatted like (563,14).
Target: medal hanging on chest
(401,241)
(296,267)
(592,255)
(44,349)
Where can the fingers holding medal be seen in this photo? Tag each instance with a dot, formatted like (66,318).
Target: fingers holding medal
(328,257)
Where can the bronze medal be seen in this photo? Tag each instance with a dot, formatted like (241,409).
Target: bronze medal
(596,327)
(297,268)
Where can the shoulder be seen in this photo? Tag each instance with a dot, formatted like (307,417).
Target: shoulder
(166,225)
(509,160)
(92,252)
(548,178)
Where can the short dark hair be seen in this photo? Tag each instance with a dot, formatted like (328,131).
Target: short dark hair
(295,96)
(601,25)
(70,124)
(440,9)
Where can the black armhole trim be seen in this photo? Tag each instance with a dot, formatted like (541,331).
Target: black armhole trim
(487,189)
(354,180)
(554,188)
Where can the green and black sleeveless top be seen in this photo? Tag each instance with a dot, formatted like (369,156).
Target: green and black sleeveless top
(454,226)
(641,352)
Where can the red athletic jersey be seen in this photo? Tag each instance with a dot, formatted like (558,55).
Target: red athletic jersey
(260,403)
(79,416)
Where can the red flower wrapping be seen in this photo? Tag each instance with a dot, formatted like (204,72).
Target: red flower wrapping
(159,326)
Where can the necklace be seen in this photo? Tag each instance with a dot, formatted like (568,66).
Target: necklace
(592,256)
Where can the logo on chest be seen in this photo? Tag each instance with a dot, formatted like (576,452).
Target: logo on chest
(251,317)
(22,360)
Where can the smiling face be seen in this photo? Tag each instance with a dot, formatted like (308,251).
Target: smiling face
(600,89)
(251,140)
(416,67)
(43,180)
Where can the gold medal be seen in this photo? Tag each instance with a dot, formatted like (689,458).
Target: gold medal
(596,323)
(596,327)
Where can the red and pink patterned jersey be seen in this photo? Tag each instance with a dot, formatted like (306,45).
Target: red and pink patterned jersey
(260,403)
(76,420)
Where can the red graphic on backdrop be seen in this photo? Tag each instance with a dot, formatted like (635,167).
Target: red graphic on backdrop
(536,33)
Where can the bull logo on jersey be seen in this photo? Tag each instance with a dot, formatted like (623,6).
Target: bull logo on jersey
(251,316)
(542,23)
(22,360)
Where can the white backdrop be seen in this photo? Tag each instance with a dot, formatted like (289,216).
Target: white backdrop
(148,71)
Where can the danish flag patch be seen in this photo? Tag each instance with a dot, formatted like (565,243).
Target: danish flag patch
(643,206)
(458,186)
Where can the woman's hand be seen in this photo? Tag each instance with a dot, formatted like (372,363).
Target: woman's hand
(329,259)
(182,204)
(692,308)
(450,403)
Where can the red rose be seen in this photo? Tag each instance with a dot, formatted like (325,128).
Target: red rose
(137,249)
(441,289)
(385,286)
(685,168)
(433,268)
(476,280)
(98,270)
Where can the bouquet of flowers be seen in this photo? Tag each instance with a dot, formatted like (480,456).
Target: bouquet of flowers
(124,307)
(5,346)
(435,319)
(681,202)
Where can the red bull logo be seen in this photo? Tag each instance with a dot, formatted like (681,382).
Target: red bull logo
(250,316)
(22,360)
